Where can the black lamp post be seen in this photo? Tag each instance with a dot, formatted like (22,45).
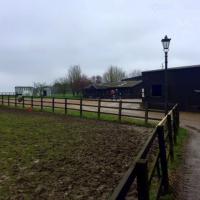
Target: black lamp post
(165,43)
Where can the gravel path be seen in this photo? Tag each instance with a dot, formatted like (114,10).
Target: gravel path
(190,181)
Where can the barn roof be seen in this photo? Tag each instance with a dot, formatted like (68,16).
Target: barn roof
(174,68)
(120,84)
(135,78)
(28,87)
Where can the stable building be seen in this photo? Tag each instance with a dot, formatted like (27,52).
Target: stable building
(31,91)
(24,90)
(125,89)
(183,87)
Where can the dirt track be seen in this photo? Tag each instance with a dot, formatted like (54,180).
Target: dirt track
(190,177)
(93,106)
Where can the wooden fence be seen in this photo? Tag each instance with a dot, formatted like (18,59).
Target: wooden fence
(147,168)
(120,108)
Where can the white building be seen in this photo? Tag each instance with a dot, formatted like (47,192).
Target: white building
(31,91)
(24,90)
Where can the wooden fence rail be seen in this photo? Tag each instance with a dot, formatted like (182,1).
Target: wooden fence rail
(119,108)
(165,135)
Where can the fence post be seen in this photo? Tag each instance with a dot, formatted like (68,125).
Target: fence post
(8,100)
(15,100)
(2,99)
(32,102)
(163,159)
(142,179)
(53,102)
(158,170)
(171,144)
(178,117)
(146,112)
(23,102)
(120,111)
(81,107)
(41,103)
(174,126)
(99,108)
(65,106)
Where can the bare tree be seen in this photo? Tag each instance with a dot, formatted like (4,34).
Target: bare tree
(61,86)
(38,88)
(77,80)
(113,74)
(96,79)
(93,79)
(135,72)
(84,82)
(74,77)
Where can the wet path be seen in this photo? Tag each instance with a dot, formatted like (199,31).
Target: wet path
(190,180)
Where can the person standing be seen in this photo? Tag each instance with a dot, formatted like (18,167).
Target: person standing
(112,92)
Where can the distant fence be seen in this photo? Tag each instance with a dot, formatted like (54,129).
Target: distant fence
(120,108)
(151,164)
(7,93)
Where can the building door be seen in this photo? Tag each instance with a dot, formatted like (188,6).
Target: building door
(194,100)
(44,93)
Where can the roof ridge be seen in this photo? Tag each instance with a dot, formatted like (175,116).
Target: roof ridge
(174,68)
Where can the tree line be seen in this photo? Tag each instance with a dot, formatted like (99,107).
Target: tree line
(75,80)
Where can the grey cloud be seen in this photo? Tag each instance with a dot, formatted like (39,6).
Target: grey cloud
(39,40)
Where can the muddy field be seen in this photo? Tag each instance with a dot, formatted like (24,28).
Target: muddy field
(49,156)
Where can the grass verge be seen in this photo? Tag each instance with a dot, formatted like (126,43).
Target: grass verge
(93,115)
(173,166)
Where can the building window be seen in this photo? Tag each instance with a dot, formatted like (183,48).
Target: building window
(156,90)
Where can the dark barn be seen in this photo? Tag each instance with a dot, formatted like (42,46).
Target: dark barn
(183,87)
(126,89)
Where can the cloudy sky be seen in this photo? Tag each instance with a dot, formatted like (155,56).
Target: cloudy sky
(41,39)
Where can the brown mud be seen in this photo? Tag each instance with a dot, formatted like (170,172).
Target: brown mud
(48,156)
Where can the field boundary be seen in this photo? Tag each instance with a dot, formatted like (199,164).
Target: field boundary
(119,108)
(166,135)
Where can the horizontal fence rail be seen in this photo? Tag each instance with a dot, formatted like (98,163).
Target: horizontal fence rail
(147,168)
(8,93)
(120,108)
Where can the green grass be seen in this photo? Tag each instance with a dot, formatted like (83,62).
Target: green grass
(104,117)
(178,157)
(58,96)
(178,149)
(92,115)
(67,95)
(173,165)
(61,96)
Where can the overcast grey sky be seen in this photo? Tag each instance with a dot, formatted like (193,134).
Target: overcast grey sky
(41,39)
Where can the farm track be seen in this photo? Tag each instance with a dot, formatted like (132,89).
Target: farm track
(46,156)
(189,177)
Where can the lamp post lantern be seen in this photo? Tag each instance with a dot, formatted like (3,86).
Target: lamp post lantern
(165,42)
